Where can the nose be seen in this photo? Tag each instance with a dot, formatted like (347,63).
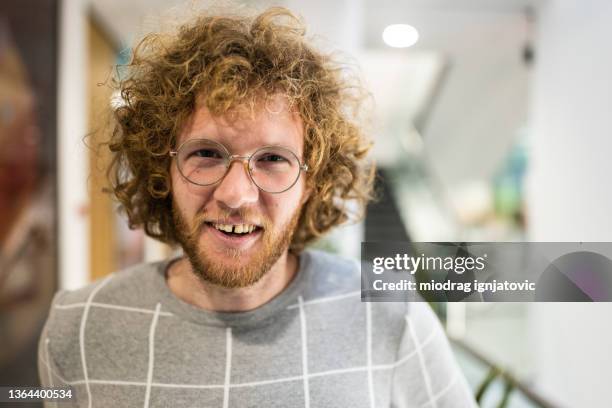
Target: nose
(236,189)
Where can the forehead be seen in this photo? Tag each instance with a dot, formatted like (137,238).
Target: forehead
(242,132)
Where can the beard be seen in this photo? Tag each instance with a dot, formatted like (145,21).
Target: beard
(233,268)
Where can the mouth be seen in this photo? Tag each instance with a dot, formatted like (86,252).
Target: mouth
(236,235)
(235,229)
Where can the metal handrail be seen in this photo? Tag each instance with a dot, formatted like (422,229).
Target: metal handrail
(495,371)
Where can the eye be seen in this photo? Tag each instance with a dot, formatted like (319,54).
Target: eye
(207,153)
(271,157)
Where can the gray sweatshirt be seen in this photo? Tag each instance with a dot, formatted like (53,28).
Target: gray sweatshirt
(127,341)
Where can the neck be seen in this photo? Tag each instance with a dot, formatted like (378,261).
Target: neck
(184,283)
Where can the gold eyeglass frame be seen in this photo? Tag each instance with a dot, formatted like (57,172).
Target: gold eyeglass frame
(246,160)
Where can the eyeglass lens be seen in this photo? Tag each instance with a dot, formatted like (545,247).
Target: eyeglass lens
(204,162)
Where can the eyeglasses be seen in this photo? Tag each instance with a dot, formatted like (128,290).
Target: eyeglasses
(273,169)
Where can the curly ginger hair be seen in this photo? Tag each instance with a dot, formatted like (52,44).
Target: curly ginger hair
(224,63)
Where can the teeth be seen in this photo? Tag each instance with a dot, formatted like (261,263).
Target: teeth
(237,229)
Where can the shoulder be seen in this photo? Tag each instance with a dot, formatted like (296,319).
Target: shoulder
(74,311)
(336,280)
(134,287)
(334,275)
(329,274)
(328,261)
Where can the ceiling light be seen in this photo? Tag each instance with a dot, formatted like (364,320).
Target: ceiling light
(400,35)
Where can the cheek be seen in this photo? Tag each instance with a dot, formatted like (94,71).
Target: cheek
(271,205)
(188,197)
(281,207)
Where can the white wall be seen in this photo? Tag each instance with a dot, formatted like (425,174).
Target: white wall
(72,155)
(482,104)
(569,194)
(336,25)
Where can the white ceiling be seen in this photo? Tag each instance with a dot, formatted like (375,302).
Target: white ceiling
(127,20)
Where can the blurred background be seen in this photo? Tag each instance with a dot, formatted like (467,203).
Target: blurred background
(492,123)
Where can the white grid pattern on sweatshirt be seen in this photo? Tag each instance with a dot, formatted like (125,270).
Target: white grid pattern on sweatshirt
(151,354)
(369,353)
(228,366)
(304,352)
(227,386)
(86,308)
(424,370)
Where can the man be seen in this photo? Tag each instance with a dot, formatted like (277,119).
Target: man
(236,142)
